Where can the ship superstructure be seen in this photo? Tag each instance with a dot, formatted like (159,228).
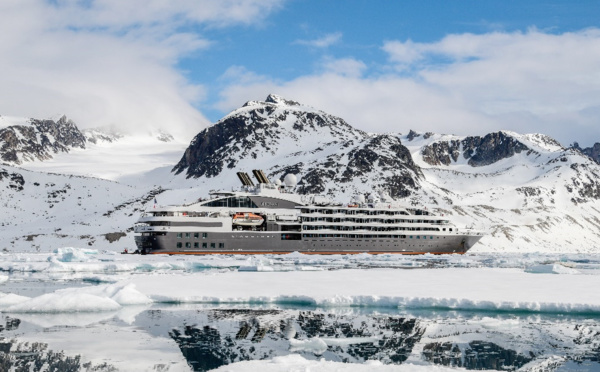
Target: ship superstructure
(270,218)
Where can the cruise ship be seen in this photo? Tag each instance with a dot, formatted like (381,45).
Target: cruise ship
(269,218)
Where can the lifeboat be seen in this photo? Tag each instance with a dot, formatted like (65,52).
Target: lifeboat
(247,219)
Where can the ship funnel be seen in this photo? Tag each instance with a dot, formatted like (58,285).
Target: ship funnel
(260,176)
(245,179)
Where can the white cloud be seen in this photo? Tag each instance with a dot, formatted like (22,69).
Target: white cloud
(322,42)
(344,66)
(109,62)
(462,84)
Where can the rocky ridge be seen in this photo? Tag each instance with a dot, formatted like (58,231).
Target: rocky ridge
(28,140)
(592,152)
(523,190)
(287,137)
(39,140)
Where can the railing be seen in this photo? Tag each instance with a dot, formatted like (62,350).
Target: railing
(150,228)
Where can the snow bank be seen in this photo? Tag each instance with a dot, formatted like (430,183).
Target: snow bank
(295,362)
(64,302)
(86,299)
(457,289)
(9,299)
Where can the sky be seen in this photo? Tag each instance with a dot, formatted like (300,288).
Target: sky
(466,67)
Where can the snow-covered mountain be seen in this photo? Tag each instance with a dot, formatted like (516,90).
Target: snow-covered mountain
(106,152)
(282,136)
(23,140)
(593,152)
(41,211)
(526,191)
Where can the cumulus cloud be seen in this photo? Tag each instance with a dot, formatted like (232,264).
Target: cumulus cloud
(110,62)
(464,84)
(344,66)
(322,42)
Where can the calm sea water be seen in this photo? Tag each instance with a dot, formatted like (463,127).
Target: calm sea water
(201,338)
(198,337)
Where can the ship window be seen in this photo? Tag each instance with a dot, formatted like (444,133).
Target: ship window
(212,245)
(450,229)
(204,245)
(418,237)
(196,245)
(231,202)
(187,235)
(204,235)
(179,245)
(178,235)
(221,245)
(196,235)
(188,245)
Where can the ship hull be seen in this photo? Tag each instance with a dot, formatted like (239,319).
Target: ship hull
(258,242)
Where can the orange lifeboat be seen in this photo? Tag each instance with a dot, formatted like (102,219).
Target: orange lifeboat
(247,219)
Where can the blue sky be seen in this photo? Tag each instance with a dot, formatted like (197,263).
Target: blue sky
(463,67)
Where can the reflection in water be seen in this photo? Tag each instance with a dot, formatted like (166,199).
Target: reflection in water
(207,338)
(227,336)
(35,356)
(504,343)
(475,355)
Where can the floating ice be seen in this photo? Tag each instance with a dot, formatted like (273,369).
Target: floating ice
(557,268)
(65,302)
(70,254)
(86,299)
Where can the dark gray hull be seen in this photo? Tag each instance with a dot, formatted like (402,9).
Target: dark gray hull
(266,242)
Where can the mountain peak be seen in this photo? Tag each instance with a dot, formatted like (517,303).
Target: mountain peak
(278,100)
(36,139)
(272,99)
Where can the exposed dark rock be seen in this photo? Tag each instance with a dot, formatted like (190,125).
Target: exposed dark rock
(260,128)
(479,151)
(39,140)
(15,180)
(592,152)
(115,236)
(412,135)
(441,153)
(489,149)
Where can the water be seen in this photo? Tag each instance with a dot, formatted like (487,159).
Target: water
(201,338)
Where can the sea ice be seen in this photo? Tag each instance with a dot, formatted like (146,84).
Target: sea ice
(70,254)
